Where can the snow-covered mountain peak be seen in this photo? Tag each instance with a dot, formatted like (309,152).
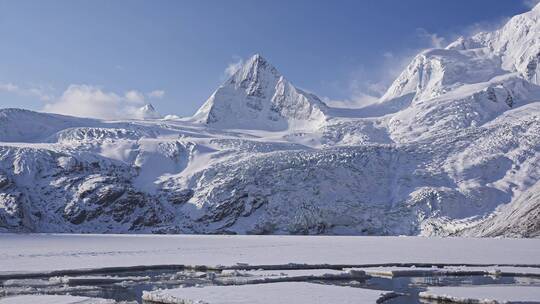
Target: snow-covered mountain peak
(257,96)
(435,72)
(515,47)
(518,44)
(255,71)
(148,112)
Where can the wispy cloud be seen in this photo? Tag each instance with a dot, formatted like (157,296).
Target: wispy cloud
(8,87)
(91,101)
(156,94)
(41,92)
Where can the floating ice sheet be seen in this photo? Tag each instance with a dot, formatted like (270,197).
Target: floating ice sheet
(53,299)
(288,292)
(451,271)
(484,294)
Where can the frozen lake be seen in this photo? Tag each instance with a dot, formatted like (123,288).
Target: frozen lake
(220,269)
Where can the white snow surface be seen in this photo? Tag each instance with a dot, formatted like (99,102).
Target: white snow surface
(289,292)
(452,148)
(53,299)
(49,252)
(495,294)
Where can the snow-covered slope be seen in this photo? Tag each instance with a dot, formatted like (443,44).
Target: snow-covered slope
(515,48)
(453,147)
(516,219)
(17,125)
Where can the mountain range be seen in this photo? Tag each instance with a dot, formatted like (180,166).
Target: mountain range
(451,148)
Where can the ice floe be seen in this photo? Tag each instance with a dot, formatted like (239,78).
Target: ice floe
(284,292)
(496,294)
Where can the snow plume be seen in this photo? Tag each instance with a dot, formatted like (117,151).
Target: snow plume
(233,67)
(366,85)
(92,101)
(531,3)
(434,40)
(359,101)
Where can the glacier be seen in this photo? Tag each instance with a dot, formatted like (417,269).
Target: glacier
(452,148)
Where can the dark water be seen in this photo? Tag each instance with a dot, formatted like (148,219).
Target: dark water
(132,291)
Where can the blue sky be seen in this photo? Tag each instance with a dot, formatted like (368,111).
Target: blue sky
(175,53)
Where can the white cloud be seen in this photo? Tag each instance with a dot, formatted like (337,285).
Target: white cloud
(86,100)
(233,67)
(91,101)
(156,94)
(433,39)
